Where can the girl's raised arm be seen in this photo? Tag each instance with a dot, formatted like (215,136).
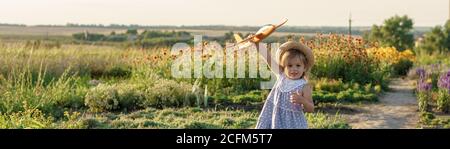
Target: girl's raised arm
(267,55)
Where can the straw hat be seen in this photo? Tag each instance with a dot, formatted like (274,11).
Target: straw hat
(298,46)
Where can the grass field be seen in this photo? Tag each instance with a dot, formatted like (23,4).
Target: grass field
(50,80)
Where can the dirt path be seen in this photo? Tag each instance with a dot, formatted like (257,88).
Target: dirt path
(397,109)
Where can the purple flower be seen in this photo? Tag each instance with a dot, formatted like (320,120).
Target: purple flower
(444,81)
(423,86)
(421,72)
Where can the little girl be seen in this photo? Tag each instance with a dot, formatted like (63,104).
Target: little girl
(291,95)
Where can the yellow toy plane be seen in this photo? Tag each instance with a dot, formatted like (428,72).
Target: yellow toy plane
(262,33)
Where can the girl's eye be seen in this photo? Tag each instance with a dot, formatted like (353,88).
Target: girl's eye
(298,65)
(289,65)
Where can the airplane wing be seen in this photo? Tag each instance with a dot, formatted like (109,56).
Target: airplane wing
(238,38)
(282,23)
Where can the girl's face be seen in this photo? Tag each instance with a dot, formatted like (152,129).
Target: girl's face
(294,68)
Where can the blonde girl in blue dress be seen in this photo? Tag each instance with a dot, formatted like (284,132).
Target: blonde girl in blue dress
(291,95)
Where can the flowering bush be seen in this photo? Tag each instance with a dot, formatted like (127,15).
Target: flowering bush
(130,96)
(443,99)
(355,60)
(341,57)
(169,93)
(102,98)
(389,57)
(423,90)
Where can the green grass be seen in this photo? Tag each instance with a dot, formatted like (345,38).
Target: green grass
(430,120)
(198,118)
(94,61)
(50,96)
(332,91)
(151,118)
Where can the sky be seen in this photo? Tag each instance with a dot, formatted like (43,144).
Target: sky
(225,12)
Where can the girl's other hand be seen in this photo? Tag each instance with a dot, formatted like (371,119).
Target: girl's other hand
(304,98)
(297,97)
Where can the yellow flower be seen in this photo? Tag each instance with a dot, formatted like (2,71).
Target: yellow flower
(429,81)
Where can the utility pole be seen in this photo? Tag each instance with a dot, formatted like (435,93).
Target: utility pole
(350,24)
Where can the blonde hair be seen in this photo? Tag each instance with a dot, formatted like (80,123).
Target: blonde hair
(294,53)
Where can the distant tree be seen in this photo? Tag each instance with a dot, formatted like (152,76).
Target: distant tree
(447,34)
(396,31)
(229,36)
(88,36)
(375,34)
(132,32)
(437,40)
(79,36)
(434,40)
(116,38)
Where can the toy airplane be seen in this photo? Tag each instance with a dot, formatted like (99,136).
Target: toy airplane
(262,33)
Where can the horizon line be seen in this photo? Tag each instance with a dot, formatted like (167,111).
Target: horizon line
(196,25)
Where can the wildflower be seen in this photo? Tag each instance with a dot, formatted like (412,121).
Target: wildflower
(423,86)
(421,72)
(444,81)
(429,80)
(302,40)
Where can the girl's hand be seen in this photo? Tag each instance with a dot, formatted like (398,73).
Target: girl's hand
(304,98)
(298,97)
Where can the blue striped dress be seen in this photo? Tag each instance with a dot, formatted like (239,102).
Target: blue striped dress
(278,112)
